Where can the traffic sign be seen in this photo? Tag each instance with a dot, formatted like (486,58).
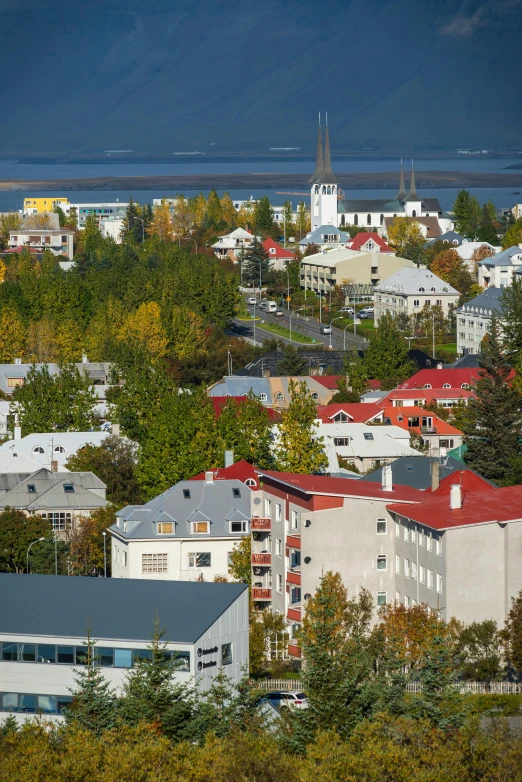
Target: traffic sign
(288,298)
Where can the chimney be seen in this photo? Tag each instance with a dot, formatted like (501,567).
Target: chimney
(435,475)
(209,476)
(387,478)
(85,360)
(18,361)
(439,365)
(456,496)
(229,458)
(266,373)
(17,428)
(54,466)
(115,428)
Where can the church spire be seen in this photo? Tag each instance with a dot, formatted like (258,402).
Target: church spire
(401,195)
(328,174)
(319,156)
(412,195)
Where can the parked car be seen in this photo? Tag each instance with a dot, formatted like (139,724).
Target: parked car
(326,329)
(364,315)
(263,305)
(251,300)
(348,310)
(370,310)
(294,699)
(279,313)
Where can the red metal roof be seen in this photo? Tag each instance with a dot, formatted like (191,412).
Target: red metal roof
(342,487)
(429,394)
(412,411)
(479,507)
(358,412)
(280,252)
(436,378)
(360,240)
(328,381)
(241,471)
(469,480)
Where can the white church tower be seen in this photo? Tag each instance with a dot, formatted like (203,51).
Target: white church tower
(323,206)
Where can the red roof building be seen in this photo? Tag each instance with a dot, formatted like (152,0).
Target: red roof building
(368,241)
(447,397)
(418,420)
(349,412)
(328,381)
(276,252)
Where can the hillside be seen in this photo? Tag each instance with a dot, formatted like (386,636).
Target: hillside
(170,76)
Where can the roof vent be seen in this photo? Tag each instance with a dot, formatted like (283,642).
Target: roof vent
(387,478)
(209,477)
(456,496)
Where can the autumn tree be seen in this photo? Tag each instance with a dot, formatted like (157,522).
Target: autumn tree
(9,221)
(406,634)
(17,532)
(240,567)
(245,428)
(513,235)
(41,345)
(402,232)
(40,220)
(182,218)
(386,358)
(302,221)
(13,335)
(144,329)
(480,254)
(446,264)
(298,447)
(245,215)
(114,463)
(512,634)
(161,225)
(228,211)
(186,333)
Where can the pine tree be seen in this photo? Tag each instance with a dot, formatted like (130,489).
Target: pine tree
(494,429)
(245,428)
(132,225)
(151,695)
(511,317)
(386,358)
(513,235)
(486,230)
(255,264)
(94,703)
(293,362)
(264,216)
(439,701)
(512,634)
(298,448)
(228,212)
(468,214)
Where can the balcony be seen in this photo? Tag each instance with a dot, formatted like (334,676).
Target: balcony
(260,593)
(293,578)
(294,650)
(293,541)
(262,559)
(261,524)
(294,614)
(428,430)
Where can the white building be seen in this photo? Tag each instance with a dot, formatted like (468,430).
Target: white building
(48,447)
(326,237)
(467,249)
(232,245)
(43,634)
(58,240)
(324,270)
(474,320)
(112,227)
(498,270)
(102,211)
(409,290)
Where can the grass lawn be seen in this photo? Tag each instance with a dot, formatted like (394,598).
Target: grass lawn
(282,332)
(447,351)
(247,317)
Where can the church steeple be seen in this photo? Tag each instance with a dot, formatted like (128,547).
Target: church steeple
(412,195)
(328,174)
(319,156)
(401,195)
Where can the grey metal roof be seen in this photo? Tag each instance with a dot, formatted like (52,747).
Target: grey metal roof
(449,236)
(97,370)
(61,606)
(416,471)
(385,205)
(484,303)
(316,236)
(212,501)
(10,480)
(503,258)
(48,493)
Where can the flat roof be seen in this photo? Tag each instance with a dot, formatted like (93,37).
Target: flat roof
(120,608)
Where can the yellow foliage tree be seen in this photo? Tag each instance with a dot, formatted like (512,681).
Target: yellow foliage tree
(144,328)
(40,220)
(12,336)
(161,225)
(402,230)
(10,221)
(41,341)
(104,329)
(198,207)
(2,271)
(182,218)
(245,216)
(187,332)
(228,211)
(69,341)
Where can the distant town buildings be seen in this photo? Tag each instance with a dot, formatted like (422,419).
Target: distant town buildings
(409,290)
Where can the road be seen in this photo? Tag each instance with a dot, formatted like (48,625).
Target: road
(308,326)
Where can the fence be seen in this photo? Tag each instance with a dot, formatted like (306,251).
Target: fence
(471,688)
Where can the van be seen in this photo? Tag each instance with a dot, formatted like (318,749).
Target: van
(271,306)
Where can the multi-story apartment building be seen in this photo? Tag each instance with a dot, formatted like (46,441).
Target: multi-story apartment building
(498,270)
(341,266)
(474,320)
(58,240)
(409,290)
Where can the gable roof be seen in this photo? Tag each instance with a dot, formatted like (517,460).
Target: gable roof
(485,303)
(242,471)
(426,394)
(279,252)
(361,239)
(339,487)
(503,258)
(409,280)
(358,412)
(316,236)
(452,237)
(115,608)
(48,492)
(437,378)
(399,416)
(416,472)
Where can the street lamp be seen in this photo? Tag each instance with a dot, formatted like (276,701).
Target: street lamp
(104,554)
(255,324)
(291,315)
(333,321)
(344,339)
(29,549)
(229,361)
(191,239)
(287,287)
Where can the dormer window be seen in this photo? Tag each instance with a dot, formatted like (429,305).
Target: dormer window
(263,398)
(31,488)
(239,526)
(38,449)
(68,488)
(422,290)
(433,290)
(465,386)
(250,482)
(59,449)
(446,385)
(279,397)
(186,494)
(165,528)
(427,385)
(200,527)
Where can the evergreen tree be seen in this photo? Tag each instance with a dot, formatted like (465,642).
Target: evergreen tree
(245,428)
(494,429)
(487,231)
(511,317)
(298,448)
(386,358)
(214,210)
(293,362)
(467,213)
(150,694)
(512,634)
(439,701)
(133,228)
(94,703)
(479,652)
(255,264)
(264,216)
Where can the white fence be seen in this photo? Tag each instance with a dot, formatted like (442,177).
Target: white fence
(472,688)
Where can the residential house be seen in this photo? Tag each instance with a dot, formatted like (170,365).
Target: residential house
(409,290)
(271,391)
(279,257)
(435,433)
(50,449)
(369,242)
(451,238)
(467,250)
(352,269)
(232,245)
(445,397)
(58,241)
(349,413)
(112,228)
(426,473)
(64,498)
(429,226)
(326,237)
(43,633)
(443,377)
(498,270)
(474,320)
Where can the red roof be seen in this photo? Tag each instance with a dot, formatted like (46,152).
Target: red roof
(358,242)
(437,378)
(275,250)
(357,412)
(481,507)
(412,411)
(20,248)
(241,471)
(220,401)
(327,381)
(469,480)
(427,394)
(342,487)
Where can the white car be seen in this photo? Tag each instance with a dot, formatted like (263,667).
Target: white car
(294,699)
(251,300)
(349,310)
(368,310)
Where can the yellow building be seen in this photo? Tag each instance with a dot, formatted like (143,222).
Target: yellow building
(44,204)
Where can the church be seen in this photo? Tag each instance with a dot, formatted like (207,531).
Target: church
(330,208)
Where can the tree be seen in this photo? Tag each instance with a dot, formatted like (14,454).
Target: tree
(480,254)
(93,707)
(255,264)
(144,329)
(439,701)
(228,211)
(214,213)
(245,216)
(187,333)
(150,694)
(293,362)
(240,567)
(50,556)
(41,340)
(161,225)
(55,403)
(446,264)
(404,232)
(17,532)
(493,431)
(513,235)
(298,448)
(264,215)
(479,651)
(386,358)
(512,634)
(356,377)
(302,222)
(40,220)
(114,462)
(133,223)
(406,634)
(13,333)
(245,429)
(468,214)
(511,317)
(87,554)
(182,217)
(487,232)
(9,221)
(268,639)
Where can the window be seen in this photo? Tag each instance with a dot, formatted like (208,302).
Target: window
(200,527)
(279,583)
(439,302)
(154,563)
(295,559)
(31,488)
(122,658)
(381,526)
(263,398)
(236,493)
(250,482)
(46,654)
(10,652)
(406,601)
(465,386)
(186,494)
(406,532)
(381,562)
(295,519)
(59,449)
(427,385)
(341,441)
(397,564)
(38,449)
(315,396)
(268,509)
(406,568)
(165,528)
(115,553)
(427,538)
(279,396)
(413,535)
(421,538)
(124,559)
(199,559)
(438,546)
(414,570)
(279,548)
(430,579)
(279,512)
(295,595)
(422,574)
(14,382)
(226,654)
(68,488)
(439,583)
(239,526)
(446,385)
(413,602)
(397,529)
(60,522)
(368,435)
(416,302)
(381,598)
(397,597)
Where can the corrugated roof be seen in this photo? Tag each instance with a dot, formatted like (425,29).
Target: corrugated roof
(340,487)
(117,609)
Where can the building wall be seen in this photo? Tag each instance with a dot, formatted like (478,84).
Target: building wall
(397,303)
(496,276)
(44,204)
(376,219)
(365,268)
(231,627)
(471,330)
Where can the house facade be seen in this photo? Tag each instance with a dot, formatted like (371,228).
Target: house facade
(323,271)
(474,320)
(58,241)
(498,270)
(232,245)
(409,290)
(273,392)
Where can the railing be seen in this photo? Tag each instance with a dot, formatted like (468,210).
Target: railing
(428,430)
(294,614)
(259,593)
(261,524)
(293,541)
(261,559)
(293,578)
(465,688)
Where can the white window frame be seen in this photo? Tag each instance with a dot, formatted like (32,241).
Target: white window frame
(242,522)
(397,564)
(382,558)
(429,582)
(406,601)
(192,560)
(268,508)
(406,568)
(295,520)
(279,547)
(406,533)
(414,571)
(381,521)
(279,512)
(397,529)
(439,584)
(154,563)
(438,546)
(279,583)
(422,574)
(380,601)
